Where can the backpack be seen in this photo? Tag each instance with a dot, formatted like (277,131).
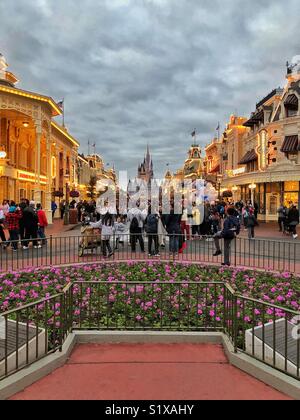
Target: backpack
(233,224)
(134,225)
(152,224)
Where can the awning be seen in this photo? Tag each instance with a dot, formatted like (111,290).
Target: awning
(291,101)
(216,169)
(290,144)
(255,119)
(249,157)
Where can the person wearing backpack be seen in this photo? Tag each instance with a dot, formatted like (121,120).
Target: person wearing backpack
(252,223)
(136,220)
(230,230)
(151,228)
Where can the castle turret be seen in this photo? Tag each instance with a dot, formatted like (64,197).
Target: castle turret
(6,78)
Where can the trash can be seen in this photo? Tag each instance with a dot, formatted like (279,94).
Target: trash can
(73,217)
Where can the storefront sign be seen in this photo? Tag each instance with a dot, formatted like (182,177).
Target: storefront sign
(262,150)
(30,177)
(236,172)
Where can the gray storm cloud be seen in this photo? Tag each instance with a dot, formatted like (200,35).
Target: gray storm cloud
(149,71)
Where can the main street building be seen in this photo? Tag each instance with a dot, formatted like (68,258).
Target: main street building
(37,155)
(259,158)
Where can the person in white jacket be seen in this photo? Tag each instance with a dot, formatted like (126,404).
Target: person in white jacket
(106,224)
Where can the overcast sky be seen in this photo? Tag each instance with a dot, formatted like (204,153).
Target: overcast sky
(138,71)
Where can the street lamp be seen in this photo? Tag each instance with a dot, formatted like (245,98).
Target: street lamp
(252,187)
(3,154)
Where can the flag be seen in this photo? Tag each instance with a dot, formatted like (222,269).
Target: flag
(193,133)
(218,128)
(61,104)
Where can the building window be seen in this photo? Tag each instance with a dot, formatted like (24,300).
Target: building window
(53,166)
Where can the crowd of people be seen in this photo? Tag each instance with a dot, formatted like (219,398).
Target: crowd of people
(25,222)
(210,222)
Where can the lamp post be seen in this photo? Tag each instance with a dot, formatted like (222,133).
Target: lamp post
(219,182)
(67,215)
(252,187)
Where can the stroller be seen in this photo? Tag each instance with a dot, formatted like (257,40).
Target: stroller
(91,238)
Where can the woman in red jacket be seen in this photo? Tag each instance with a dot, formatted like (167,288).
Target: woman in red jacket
(43,223)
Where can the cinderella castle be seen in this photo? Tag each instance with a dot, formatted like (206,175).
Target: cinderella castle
(145,169)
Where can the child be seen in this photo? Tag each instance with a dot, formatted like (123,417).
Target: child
(12,219)
(107,229)
(120,229)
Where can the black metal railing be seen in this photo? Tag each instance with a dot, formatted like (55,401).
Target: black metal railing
(33,331)
(272,255)
(267,332)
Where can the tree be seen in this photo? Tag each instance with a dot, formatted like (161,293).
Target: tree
(91,188)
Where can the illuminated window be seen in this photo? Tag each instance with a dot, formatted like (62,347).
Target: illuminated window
(291,186)
(53,167)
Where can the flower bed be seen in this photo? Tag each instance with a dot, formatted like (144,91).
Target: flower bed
(173,301)
(17,289)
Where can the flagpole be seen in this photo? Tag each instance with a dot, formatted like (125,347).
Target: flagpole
(63,112)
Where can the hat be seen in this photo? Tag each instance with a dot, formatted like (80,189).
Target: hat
(32,203)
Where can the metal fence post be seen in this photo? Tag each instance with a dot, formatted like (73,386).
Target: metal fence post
(51,249)
(235,323)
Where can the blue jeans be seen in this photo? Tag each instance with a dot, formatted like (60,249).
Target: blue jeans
(174,244)
(14,237)
(42,235)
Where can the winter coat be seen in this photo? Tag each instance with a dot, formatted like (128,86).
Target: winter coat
(43,222)
(30,218)
(293,216)
(231,227)
(173,222)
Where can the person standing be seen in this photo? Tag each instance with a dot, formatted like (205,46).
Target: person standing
(185,227)
(196,221)
(31,221)
(230,230)
(12,219)
(173,223)
(53,208)
(62,209)
(245,214)
(2,220)
(252,223)
(5,207)
(152,232)
(162,234)
(24,203)
(120,229)
(43,223)
(282,214)
(136,220)
(107,229)
(293,220)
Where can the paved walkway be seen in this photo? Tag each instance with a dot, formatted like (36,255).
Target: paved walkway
(149,372)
